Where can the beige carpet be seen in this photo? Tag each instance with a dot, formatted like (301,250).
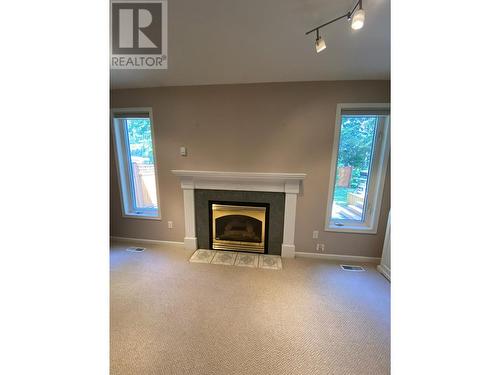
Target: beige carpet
(170,316)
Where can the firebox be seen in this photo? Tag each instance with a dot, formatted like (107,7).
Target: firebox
(239,226)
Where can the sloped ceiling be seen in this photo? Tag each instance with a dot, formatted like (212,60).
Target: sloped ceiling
(250,41)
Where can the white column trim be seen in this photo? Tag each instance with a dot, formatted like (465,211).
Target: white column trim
(288,246)
(190,240)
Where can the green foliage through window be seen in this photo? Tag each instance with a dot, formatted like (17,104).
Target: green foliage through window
(356,141)
(357,135)
(140,139)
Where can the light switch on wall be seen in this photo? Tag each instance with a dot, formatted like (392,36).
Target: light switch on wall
(170,224)
(183,151)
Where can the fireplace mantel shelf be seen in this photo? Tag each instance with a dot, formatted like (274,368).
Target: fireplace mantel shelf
(250,181)
(288,183)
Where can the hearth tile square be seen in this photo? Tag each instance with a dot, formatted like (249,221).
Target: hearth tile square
(202,256)
(247,260)
(225,258)
(270,262)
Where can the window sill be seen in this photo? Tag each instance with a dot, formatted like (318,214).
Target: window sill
(352,229)
(141,216)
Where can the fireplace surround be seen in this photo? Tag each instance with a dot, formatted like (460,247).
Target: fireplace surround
(274,223)
(288,184)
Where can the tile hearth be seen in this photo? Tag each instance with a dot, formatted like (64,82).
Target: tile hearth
(202,256)
(232,258)
(247,260)
(225,258)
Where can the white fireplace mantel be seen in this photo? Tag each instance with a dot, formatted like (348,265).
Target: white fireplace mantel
(288,183)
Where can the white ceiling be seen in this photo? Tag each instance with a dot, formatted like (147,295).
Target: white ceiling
(250,41)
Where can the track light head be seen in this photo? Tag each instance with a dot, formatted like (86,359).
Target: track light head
(358,19)
(320,44)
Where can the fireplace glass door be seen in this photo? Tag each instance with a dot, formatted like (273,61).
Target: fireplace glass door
(238,227)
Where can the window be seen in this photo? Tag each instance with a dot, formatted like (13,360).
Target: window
(359,163)
(135,157)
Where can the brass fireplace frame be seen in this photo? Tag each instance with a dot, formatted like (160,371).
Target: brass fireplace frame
(259,211)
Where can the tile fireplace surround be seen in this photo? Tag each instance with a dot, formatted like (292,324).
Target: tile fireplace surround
(288,183)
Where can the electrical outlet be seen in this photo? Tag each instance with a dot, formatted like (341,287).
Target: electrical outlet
(170,224)
(183,151)
(315,234)
(321,247)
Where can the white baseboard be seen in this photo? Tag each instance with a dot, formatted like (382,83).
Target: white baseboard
(145,241)
(339,257)
(382,268)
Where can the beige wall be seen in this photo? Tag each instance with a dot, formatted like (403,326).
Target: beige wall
(278,127)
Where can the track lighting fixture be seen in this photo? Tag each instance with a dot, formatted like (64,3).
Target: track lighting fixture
(358,19)
(356,16)
(320,43)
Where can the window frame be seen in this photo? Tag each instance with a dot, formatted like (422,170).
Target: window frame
(120,141)
(377,174)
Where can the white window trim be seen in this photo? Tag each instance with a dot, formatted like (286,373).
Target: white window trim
(370,226)
(120,165)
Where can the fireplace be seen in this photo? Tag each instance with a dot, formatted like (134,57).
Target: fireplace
(280,190)
(238,226)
